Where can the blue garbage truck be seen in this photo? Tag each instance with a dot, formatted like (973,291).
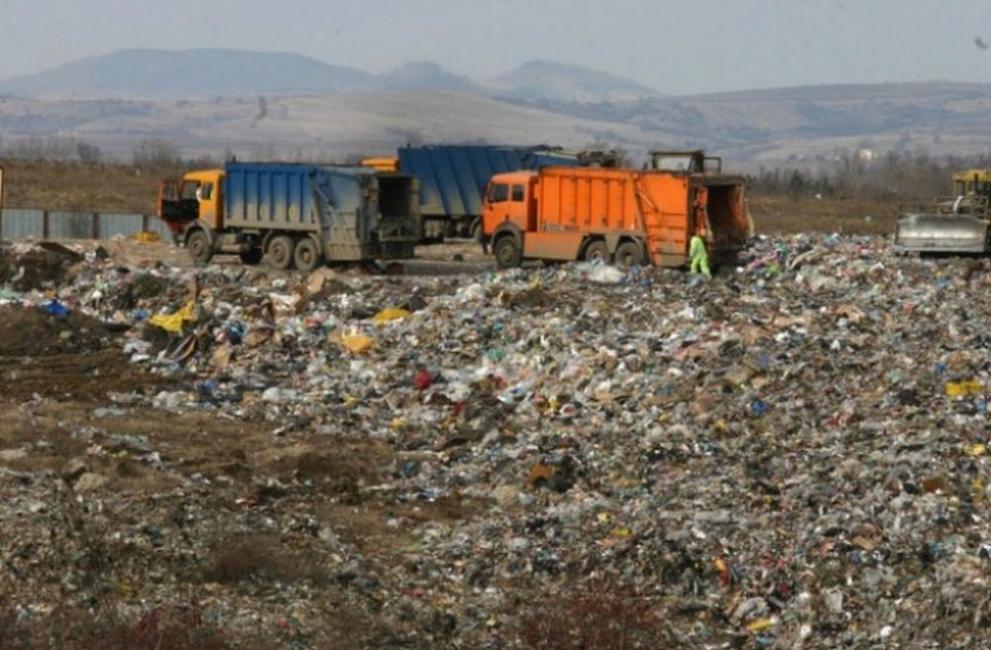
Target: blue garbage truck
(453,178)
(293,215)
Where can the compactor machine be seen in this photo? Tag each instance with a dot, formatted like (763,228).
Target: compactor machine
(955,225)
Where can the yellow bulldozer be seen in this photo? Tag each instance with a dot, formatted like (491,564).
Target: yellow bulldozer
(957,224)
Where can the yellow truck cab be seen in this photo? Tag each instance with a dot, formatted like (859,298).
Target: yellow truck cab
(196,197)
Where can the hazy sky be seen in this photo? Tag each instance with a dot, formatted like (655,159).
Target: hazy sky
(682,46)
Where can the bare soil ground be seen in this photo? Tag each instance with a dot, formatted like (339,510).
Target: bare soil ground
(84,187)
(787,215)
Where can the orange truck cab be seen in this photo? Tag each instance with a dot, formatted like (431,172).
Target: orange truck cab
(626,216)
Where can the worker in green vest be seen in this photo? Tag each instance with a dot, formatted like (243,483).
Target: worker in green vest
(698,253)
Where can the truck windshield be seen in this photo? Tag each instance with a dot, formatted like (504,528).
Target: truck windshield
(189,190)
(498,193)
(676,163)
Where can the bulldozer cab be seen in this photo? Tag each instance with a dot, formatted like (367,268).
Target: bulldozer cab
(194,197)
(972,182)
(956,224)
(692,161)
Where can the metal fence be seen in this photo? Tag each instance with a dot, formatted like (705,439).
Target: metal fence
(18,223)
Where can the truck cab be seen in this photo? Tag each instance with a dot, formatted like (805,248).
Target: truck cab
(194,197)
(692,161)
(509,202)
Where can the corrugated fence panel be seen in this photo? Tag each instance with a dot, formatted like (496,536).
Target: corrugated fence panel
(70,225)
(125,225)
(22,224)
(18,223)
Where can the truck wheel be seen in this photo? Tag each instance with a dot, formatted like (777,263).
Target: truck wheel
(198,245)
(280,252)
(629,254)
(508,253)
(597,250)
(307,255)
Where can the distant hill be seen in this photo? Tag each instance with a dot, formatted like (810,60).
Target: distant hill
(424,75)
(265,105)
(815,121)
(209,73)
(558,82)
(187,74)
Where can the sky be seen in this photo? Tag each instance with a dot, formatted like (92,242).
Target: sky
(683,47)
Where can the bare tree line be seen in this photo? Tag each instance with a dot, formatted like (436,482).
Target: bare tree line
(851,174)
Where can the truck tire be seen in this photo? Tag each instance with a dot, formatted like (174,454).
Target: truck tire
(597,250)
(307,255)
(629,254)
(478,234)
(279,252)
(508,253)
(198,245)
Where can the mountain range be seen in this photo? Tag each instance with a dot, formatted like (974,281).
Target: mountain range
(211,73)
(265,106)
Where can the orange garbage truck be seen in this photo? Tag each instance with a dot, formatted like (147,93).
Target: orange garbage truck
(626,216)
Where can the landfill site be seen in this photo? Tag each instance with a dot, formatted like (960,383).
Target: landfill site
(791,454)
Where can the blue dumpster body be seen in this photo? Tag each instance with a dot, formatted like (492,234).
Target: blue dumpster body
(452,179)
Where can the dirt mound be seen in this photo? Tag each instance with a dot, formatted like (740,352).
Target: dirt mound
(42,267)
(30,331)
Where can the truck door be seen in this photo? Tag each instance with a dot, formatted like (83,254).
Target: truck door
(508,202)
(496,206)
(208,193)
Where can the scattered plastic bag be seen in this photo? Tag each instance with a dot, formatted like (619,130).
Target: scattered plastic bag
(603,274)
(55,308)
(964,388)
(176,321)
(357,343)
(390,314)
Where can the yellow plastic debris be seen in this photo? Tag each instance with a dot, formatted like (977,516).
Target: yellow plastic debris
(147,237)
(964,388)
(622,533)
(552,406)
(389,314)
(977,450)
(357,343)
(174,322)
(760,624)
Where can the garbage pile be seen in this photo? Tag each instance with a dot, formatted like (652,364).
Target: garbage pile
(793,454)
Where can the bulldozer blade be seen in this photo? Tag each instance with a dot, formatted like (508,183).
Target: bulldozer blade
(935,233)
